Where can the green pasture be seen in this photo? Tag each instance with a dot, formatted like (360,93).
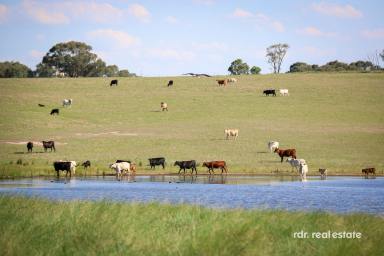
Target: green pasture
(41,227)
(334,121)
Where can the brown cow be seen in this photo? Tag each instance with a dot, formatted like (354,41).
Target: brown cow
(222,82)
(286,153)
(216,165)
(367,171)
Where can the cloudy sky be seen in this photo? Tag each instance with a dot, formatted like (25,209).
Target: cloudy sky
(159,38)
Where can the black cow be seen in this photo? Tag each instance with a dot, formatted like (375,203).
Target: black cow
(41,105)
(86,164)
(49,144)
(63,166)
(170,83)
(30,146)
(186,165)
(55,111)
(156,161)
(120,161)
(113,82)
(269,91)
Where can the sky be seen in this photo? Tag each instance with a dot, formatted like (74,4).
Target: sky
(166,38)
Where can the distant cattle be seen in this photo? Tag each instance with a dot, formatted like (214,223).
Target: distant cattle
(269,91)
(216,165)
(295,163)
(284,92)
(157,161)
(30,146)
(323,173)
(164,106)
(121,168)
(86,164)
(49,144)
(231,80)
(367,171)
(55,111)
(231,133)
(41,105)
(67,166)
(191,164)
(67,102)
(222,82)
(170,83)
(113,82)
(286,153)
(272,145)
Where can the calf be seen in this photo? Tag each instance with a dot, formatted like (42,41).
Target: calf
(269,91)
(157,161)
(86,164)
(222,82)
(170,83)
(323,173)
(30,146)
(286,153)
(49,144)
(186,165)
(216,165)
(55,111)
(113,82)
(367,171)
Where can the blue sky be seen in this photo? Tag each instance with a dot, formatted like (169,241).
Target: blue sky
(159,38)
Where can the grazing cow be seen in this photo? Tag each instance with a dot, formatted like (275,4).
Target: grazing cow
(67,102)
(170,83)
(272,145)
(367,171)
(323,173)
(286,153)
(55,111)
(303,170)
(164,106)
(41,105)
(232,80)
(186,165)
(269,91)
(284,92)
(30,146)
(215,165)
(63,166)
(133,165)
(49,144)
(231,133)
(113,82)
(157,161)
(86,164)
(295,163)
(121,168)
(222,82)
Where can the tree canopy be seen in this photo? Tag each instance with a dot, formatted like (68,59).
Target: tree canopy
(238,67)
(333,66)
(14,69)
(255,70)
(275,55)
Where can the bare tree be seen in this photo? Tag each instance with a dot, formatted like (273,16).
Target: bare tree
(275,55)
(375,59)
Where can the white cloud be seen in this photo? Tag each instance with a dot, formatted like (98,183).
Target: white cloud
(139,12)
(313,31)
(36,54)
(341,11)
(120,38)
(278,26)
(43,14)
(260,19)
(172,20)
(240,13)
(374,33)
(3,13)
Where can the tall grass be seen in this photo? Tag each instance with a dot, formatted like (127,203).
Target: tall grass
(41,227)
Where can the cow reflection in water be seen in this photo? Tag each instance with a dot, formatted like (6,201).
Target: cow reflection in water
(222,179)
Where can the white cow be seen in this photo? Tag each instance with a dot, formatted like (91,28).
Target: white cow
(284,92)
(164,106)
(303,170)
(73,166)
(231,133)
(67,102)
(120,168)
(296,162)
(272,145)
(232,80)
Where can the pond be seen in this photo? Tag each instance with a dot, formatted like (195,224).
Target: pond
(335,194)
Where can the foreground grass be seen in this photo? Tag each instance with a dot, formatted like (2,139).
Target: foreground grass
(40,227)
(335,121)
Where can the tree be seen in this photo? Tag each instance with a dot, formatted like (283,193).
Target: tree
(112,70)
(14,69)
(275,55)
(382,55)
(301,67)
(125,73)
(255,70)
(43,70)
(238,67)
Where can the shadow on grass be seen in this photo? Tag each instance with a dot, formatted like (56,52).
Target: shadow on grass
(26,153)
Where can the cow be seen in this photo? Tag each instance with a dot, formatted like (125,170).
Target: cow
(272,145)
(164,106)
(216,165)
(63,166)
(121,168)
(54,111)
(269,91)
(86,164)
(157,161)
(30,146)
(49,144)
(73,166)
(231,133)
(295,163)
(67,102)
(231,80)
(133,165)
(303,170)
(323,173)
(41,105)
(170,83)
(113,82)
(367,171)
(222,82)
(191,164)
(286,153)
(284,92)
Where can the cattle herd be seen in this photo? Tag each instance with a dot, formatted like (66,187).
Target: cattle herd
(123,167)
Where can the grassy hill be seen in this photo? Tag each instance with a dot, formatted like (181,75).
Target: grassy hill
(334,121)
